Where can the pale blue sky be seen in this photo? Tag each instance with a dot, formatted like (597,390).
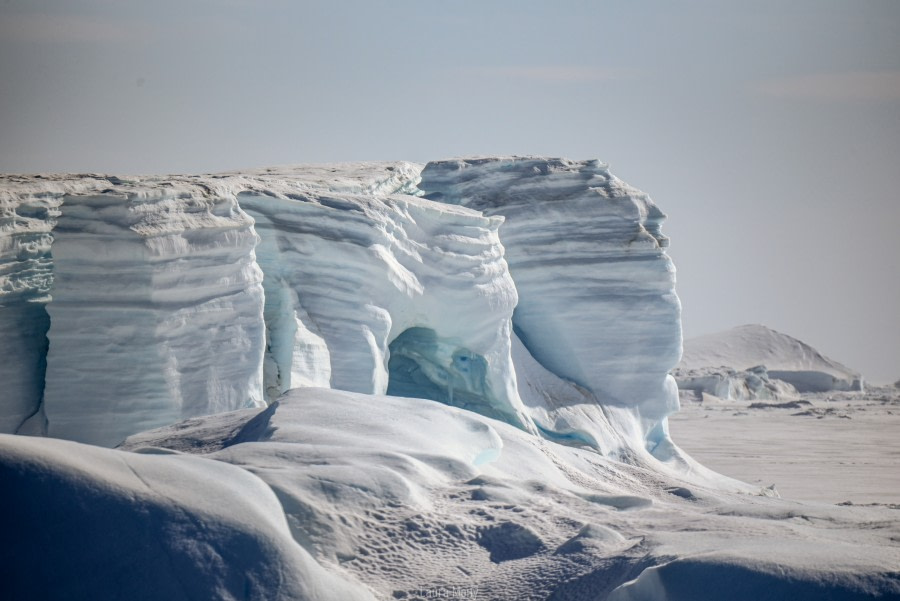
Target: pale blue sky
(768,131)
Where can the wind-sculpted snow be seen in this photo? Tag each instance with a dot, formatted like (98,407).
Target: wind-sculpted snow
(597,303)
(418,500)
(85,523)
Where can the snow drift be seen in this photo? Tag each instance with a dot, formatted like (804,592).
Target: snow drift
(83,522)
(417,499)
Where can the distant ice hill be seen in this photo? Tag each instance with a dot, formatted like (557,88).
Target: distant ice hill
(756,362)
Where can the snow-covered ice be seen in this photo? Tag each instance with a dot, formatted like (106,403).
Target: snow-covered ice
(754,361)
(84,522)
(408,495)
(826,447)
(471,365)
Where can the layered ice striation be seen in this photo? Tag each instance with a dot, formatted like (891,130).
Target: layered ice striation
(376,292)
(155,313)
(137,303)
(25,282)
(597,305)
(536,291)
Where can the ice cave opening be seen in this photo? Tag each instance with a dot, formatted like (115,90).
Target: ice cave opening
(424,365)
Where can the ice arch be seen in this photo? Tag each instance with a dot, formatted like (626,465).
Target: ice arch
(424,365)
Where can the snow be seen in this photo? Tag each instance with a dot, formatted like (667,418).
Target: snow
(379,380)
(413,497)
(824,447)
(782,357)
(83,522)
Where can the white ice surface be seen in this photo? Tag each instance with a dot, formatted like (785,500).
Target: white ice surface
(826,447)
(410,496)
(87,523)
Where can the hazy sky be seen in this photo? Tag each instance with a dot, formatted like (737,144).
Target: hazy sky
(769,131)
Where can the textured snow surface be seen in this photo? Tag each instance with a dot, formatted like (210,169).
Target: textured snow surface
(744,362)
(83,522)
(416,499)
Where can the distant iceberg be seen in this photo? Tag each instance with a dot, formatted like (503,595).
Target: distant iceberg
(756,362)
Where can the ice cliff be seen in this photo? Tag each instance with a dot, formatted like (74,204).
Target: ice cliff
(399,383)
(536,291)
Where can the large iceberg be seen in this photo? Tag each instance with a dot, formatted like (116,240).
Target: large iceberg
(372,381)
(533,290)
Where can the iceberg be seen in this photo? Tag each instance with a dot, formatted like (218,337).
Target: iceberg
(597,305)
(375,380)
(756,362)
(533,290)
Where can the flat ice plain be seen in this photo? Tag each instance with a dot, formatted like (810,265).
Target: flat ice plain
(826,447)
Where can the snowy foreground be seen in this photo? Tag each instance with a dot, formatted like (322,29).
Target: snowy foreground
(398,383)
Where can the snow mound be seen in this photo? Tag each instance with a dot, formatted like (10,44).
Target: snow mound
(765,353)
(82,522)
(418,499)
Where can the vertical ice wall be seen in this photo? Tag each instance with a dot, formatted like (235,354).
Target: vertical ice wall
(346,275)
(597,305)
(156,313)
(26,277)
(160,309)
